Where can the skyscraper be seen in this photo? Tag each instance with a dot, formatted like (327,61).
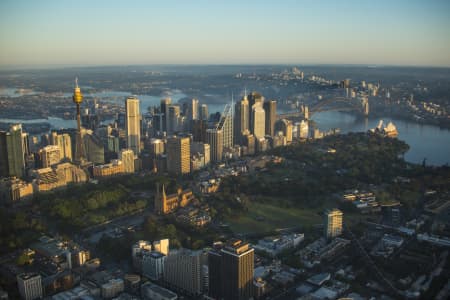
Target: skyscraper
(254,98)
(25,144)
(241,119)
(258,121)
(199,130)
(231,271)
(226,126)
(80,155)
(178,155)
(270,108)
(183,271)
(94,148)
(127,158)
(64,143)
(133,124)
(214,138)
(333,223)
(193,110)
(164,110)
(204,112)
(12,152)
(173,119)
(4,168)
(215,271)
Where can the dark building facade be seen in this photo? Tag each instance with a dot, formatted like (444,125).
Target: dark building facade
(270,108)
(231,271)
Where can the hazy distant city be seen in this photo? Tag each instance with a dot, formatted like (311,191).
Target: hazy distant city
(196,158)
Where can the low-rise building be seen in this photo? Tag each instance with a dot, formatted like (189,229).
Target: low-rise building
(275,244)
(30,286)
(437,240)
(78,292)
(320,250)
(132,283)
(112,288)
(115,167)
(15,190)
(57,176)
(150,291)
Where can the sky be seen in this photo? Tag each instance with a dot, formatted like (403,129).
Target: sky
(100,32)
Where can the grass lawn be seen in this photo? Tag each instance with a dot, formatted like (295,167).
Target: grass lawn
(263,217)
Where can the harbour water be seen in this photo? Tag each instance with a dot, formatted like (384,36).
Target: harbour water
(425,141)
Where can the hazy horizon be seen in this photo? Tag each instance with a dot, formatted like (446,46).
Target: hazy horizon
(43,34)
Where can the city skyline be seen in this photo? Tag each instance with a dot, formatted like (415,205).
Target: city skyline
(45,33)
(287,209)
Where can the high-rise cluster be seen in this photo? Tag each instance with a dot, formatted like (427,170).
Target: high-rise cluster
(174,138)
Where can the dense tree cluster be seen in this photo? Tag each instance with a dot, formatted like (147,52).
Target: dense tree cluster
(92,207)
(18,230)
(314,170)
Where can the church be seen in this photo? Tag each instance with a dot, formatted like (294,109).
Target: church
(165,204)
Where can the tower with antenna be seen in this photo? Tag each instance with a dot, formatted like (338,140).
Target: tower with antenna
(80,156)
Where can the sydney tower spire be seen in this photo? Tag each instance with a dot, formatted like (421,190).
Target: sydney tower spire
(80,156)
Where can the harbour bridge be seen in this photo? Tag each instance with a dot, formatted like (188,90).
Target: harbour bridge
(360,104)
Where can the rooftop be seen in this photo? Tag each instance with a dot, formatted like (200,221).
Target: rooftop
(26,276)
(162,291)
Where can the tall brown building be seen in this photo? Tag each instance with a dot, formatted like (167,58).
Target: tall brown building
(214,137)
(199,130)
(241,119)
(231,271)
(270,107)
(178,155)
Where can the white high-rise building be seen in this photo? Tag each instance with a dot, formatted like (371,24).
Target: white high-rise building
(226,126)
(258,121)
(333,223)
(133,124)
(127,158)
(30,286)
(193,110)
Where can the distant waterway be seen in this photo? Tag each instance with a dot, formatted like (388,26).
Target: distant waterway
(425,141)
(55,123)
(16,92)
(117,97)
(145,100)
